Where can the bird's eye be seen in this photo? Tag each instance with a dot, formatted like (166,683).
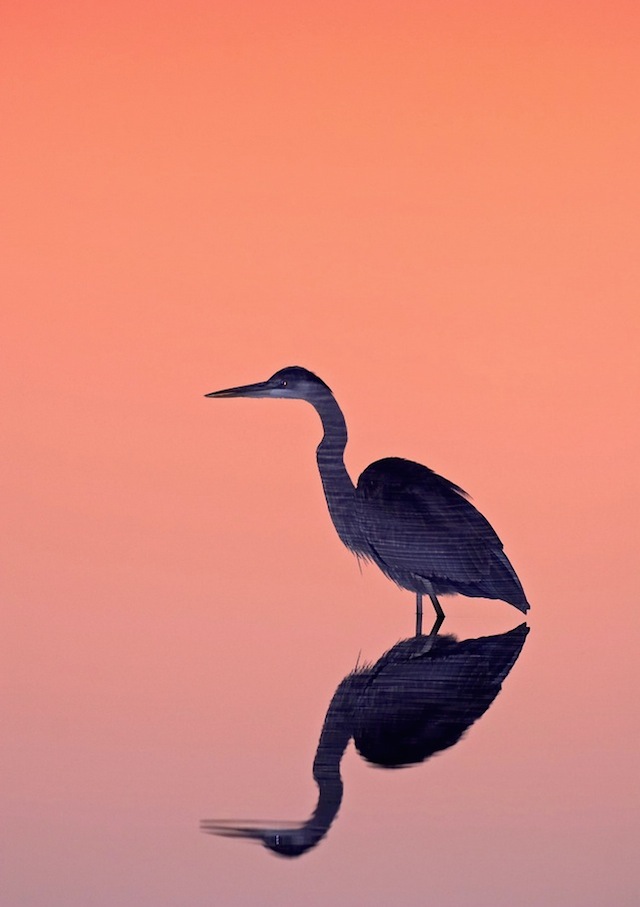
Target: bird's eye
(284,382)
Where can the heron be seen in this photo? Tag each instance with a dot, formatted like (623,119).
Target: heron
(421,530)
(412,703)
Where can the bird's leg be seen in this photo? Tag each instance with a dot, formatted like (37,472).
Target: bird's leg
(436,626)
(418,613)
(431,638)
(440,615)
(436,603)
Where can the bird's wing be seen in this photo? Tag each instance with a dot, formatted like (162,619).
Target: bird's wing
(417,521)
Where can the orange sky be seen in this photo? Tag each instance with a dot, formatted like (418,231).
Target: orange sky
(435,207)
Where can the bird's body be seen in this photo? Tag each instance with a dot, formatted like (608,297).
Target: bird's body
(418,527)
(425,535)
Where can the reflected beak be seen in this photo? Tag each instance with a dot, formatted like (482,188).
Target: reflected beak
(229,830)
(261,389)
(256,831)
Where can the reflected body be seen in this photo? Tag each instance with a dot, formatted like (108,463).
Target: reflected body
(415,701)
(418,527)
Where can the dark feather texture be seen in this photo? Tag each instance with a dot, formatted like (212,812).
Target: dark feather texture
(420,526)
(420,529)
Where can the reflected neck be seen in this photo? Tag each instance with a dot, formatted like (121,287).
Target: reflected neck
(335,735)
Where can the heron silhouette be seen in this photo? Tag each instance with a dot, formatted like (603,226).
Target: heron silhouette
(415,701)
(418,527)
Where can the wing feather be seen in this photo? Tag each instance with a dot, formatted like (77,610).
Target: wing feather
(417,521)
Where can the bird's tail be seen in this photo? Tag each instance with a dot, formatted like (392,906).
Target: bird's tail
(506,585)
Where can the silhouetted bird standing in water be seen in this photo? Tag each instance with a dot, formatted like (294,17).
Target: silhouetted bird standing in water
(419,528)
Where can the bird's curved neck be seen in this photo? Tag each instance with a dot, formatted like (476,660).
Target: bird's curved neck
(321,820)
(334,440)
(338,488)
(335,735)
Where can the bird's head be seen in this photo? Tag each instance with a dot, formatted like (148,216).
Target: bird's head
(286,842)
(293,383)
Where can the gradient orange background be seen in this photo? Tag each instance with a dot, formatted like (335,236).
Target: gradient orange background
(435,207)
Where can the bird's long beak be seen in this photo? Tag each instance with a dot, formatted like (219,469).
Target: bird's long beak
(229,830)
(253,830)
(260,389)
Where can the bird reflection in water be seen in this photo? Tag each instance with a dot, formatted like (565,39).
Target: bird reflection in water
(418,527)
(419,698)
